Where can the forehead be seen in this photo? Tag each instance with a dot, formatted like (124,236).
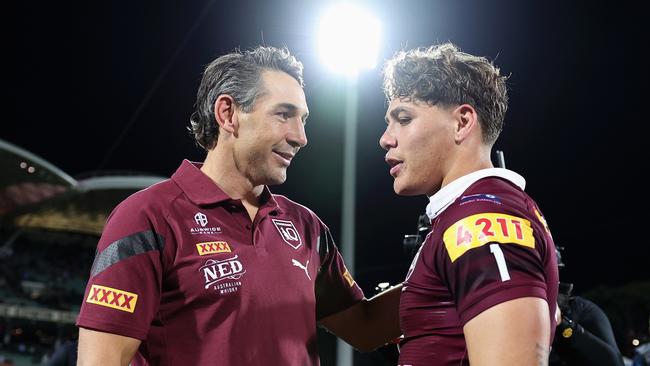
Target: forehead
(414,106)
(398,105)
(281,88)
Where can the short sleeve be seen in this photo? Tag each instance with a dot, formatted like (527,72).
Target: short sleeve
(336,290)
(123,290)
(489,257)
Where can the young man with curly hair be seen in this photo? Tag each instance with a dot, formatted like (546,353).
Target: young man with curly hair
(482,290)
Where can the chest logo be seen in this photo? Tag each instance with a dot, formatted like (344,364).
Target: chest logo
(213,247)
(201,219)
(288,233)
(216,271)
(304,268)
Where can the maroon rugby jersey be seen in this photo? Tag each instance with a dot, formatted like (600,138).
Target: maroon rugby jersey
(181,267)
(489,244)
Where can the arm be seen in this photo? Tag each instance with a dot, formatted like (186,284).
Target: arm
(586,346)
(514,332)
(368,324)
(105,349)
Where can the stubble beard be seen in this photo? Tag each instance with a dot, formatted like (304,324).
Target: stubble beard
(261,171)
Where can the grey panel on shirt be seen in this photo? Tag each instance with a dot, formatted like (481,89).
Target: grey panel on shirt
(125,248)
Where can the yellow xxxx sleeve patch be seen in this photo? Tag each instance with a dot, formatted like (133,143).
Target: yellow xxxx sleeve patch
(112,298)
(477,230)
(348,277)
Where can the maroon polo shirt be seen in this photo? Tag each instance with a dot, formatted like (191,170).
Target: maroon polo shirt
(489,246)
(181,266)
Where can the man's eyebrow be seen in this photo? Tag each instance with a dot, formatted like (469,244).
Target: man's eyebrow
(396,111)
(292,109)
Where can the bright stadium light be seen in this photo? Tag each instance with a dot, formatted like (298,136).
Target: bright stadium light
(349,42)
(348,38)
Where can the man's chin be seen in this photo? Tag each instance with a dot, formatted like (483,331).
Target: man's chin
(277,178)
(405,190)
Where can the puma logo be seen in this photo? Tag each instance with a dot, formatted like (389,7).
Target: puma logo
(298,264)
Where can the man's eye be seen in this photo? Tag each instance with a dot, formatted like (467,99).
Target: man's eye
(283,115)
(404,120)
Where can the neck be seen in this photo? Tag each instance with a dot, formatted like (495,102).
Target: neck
(467,162)
(221,168)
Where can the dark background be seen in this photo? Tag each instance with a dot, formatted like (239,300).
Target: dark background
(110,86)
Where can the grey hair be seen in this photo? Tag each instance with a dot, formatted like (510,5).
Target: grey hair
(239,75)
(444,75)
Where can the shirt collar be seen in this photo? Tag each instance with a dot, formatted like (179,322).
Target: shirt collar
(448,194)
(201,190)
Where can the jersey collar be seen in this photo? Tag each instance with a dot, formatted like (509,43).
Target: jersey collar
(448,194)
(201,190)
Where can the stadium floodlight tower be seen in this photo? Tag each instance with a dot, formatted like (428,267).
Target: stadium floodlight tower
(349,42)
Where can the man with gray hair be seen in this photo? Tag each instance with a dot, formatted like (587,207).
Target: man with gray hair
(482,289)
(211,268)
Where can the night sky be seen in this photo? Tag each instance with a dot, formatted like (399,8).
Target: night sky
(110,86)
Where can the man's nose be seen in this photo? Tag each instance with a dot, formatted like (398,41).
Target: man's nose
(297,136)
(387,140)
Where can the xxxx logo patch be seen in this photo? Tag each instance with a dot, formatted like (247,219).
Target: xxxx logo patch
(112,298)
(348,277)
(213,247)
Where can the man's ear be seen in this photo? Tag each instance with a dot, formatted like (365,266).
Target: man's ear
(225,114)
(466,122)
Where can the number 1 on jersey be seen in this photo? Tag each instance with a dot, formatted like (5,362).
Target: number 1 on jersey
(501,261)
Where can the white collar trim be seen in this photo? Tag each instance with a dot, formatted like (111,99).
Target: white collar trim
(448,194)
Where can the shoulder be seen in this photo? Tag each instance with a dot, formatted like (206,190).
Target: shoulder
(143,211)
(488,195)
(155,198)
(490,210)
(296,210)
(584,310)
(583,303)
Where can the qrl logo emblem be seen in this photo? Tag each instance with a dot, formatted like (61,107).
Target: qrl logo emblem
(201,219)
(288,233)
(112,298)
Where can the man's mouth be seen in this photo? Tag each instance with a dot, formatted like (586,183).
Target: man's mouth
(284,156)
(395,165)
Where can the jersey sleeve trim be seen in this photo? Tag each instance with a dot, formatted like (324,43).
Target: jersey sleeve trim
(115,328)
(500,294)
(132,245)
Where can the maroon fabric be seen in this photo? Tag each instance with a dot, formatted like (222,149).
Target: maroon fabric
(214,288)
(441,295)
